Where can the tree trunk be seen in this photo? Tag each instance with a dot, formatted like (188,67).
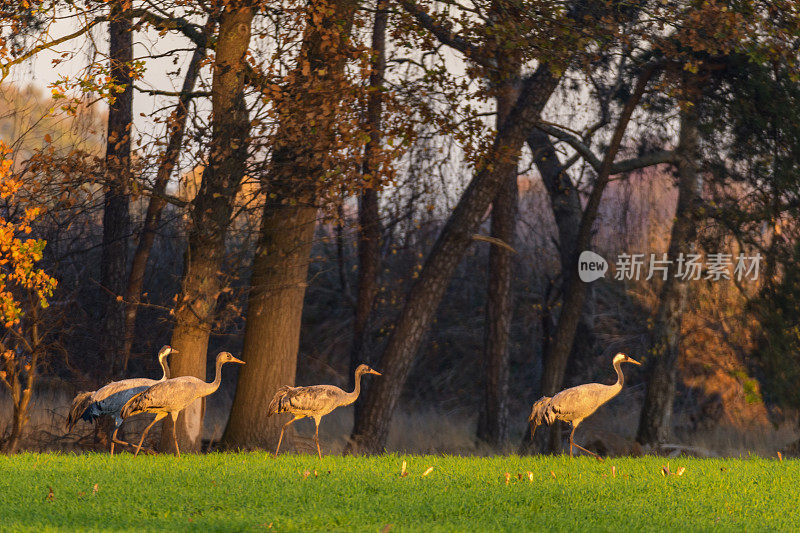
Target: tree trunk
(574,290)
(177,127)
(116,216)
(210,215)
(493,417)
(369,224)
(21,398)
(372,426)
(278,282)
(21,387)
(654,424)
(272,332)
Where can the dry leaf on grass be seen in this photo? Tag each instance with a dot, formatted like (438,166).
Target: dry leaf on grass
(403,472)
(428,471)
(508,477)
(386,528)
(530,477)
(666,472)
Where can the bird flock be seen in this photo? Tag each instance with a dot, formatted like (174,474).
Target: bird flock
(120,400)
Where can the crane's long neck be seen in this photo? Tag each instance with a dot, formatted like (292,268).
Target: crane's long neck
(212,387)
(218,377)
(620,375)
(353,396)
(163,360)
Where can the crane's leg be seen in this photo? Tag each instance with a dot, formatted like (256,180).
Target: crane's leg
(316,437)
(113,439)
(158,417)
(280,439)
(572,443)
(174,434)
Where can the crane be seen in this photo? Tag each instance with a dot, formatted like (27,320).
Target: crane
(575,404)
(172,396)
(109,399)
(315,401)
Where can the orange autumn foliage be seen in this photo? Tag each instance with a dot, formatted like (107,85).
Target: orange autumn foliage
(18,252)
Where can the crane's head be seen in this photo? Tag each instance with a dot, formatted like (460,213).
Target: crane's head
(622,358)
(365,369)
(166,350)
(226,357)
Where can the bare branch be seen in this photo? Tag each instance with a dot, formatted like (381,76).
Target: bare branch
(4,68)
(646,160)
(495,241)
(192,31)
(447,37)
(628,165)
(157,92)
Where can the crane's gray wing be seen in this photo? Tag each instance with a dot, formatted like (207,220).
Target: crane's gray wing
(170,395)
(581,401)
(112,405)
(117,386)
(314,398)
(541,412)
(279,403)
(80,409)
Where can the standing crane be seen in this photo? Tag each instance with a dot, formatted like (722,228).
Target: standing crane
(109,399)
(315,401)
(172,396)
(575,404)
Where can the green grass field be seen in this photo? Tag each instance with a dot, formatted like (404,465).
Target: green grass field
(254,492)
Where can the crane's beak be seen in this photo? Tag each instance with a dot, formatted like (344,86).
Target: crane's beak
(375,372)
(631,360)
(174,352)
(234,360)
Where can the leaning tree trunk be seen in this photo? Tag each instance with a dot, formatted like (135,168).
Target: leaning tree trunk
(369,224)
(567,211)
(574,292)
(372,426)
(210,215)
(116,216)
(277,286)
(493,417)
(654,424)
(566,206)
(177,127)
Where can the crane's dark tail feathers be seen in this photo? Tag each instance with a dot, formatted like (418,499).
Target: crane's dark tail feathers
(277,404)
(132,406)
(81,403)
(540,413)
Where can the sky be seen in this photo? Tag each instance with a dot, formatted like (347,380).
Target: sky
(40,72)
